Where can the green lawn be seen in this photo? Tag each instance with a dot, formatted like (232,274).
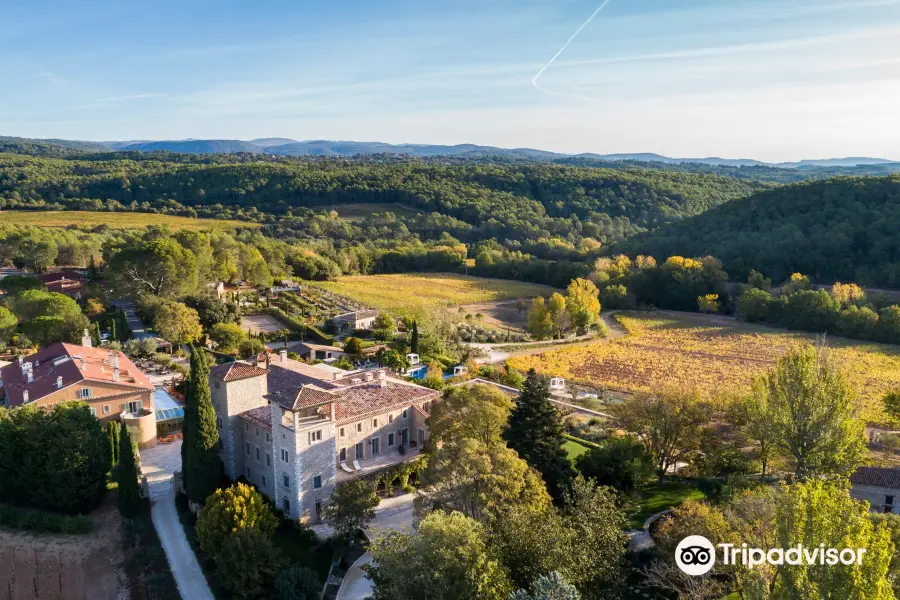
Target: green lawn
(575,449)
(653,499)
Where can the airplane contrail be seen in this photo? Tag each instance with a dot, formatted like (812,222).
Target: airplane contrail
(534,80)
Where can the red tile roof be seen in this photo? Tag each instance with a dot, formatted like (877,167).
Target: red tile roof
(260,416)
(369,398)
(73,364)
(236,370)
(877,477)
(64,275)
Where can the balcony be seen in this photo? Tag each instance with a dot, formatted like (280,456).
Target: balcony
(391,457)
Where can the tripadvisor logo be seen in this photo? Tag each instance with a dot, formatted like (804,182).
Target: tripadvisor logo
(696,555)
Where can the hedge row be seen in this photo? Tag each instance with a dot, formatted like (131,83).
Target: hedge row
(41,522)
(295,324)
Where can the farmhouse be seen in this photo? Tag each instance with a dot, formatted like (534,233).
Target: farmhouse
(878,486)
(361,319)
(112,386)
(296,431)
(327,353)
(68,282)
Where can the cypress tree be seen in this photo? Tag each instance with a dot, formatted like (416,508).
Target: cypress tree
(414,339)
(98,341)
(112,430)
(123,325)
(535,432)
(203,471)
(129,500)
(112,329)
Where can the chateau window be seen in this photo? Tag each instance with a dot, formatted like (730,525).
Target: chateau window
(106,409)
(246,426)
(317,482)
(264,481)
(85,393)
(342,432)
(391,418)
(359,427)
(286,505)
(93,411)
(285,457)
(287,481)
(268,460)
(318,508)
(376,446)
(247,447)
(390,440)
(257,454)
(217,385)
(374,423)
(219,422)
(315,436)
(405,412)
(342,456)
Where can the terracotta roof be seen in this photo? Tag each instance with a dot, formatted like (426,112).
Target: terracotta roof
(356,316)
(260,416)
(65,275)
(73,364)
(295,385)
(368,398)
(877,477)
(233,371)
(322,347)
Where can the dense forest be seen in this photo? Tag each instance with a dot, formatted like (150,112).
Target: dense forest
(846,228)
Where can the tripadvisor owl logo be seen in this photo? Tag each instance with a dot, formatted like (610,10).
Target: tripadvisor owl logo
(695,555)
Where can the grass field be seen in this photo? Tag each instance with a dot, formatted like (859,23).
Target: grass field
(421,295)
(654,499)
(116,220)
(714,355)
(575,449)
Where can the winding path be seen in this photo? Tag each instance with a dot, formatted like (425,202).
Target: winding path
(185,569)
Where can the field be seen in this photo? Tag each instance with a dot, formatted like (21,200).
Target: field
(115,220)
(264,323)
(421,295)
(715,355)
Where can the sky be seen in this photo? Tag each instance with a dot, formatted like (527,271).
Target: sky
(774,80)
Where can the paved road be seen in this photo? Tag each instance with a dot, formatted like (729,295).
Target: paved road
(134,322)
(185,568)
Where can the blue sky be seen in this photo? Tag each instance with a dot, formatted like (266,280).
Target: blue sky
(768,79)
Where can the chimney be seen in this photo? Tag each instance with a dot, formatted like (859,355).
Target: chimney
(369,375)
(22,362)
(114,359)
(382,378)
(336,376)
(267,360)
(86,339)
(30,376)
(116,374)
(59,383)
(24,396)
(282,355)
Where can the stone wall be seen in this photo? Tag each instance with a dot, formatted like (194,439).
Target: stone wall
(876,496)
(366,429)
(229,400)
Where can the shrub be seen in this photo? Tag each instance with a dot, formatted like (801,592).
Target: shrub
(298,583)
(41,522)
(230,510)
(247,563)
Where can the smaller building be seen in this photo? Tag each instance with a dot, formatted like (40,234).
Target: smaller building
(68,282)
(318,351)
(112,386)
(879,486)
(460,370)
(413,359)
(557,383)
(361,319)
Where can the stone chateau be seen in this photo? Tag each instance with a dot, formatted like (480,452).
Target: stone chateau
(296,431)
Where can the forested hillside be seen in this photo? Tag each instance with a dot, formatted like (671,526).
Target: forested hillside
(846,228)
(517,202)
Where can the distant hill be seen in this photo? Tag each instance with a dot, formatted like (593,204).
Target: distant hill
(840,229)
(195,146)
(273,141)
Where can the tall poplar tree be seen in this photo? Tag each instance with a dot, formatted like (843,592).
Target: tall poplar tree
(202,467)
(535,432)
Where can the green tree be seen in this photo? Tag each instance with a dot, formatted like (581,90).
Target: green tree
(49,316)
(891,403)
(202,467)
(414,338)
(888,328)
(813,413)
(156,265)
(619,462)
(535,432)
(177,323)
(351,507)
(540,323)
(668,424)
(298,583)
(548,587)
(448,558)
(112,431)
(557,309)
(708,303)
(247,564)
(250,348)
(353,347)
(8,323)
(229,510)
(480,412)
(130,499)
(818,512)
(13,285)
(384,327)
(95,335)
(858,322)
(227,337)
(582,304)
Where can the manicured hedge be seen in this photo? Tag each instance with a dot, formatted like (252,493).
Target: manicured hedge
(42,522)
